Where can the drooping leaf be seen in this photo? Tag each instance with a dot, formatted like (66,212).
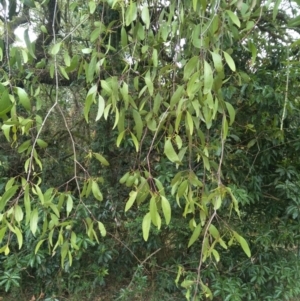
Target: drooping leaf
(166,209)
(146,16)
(170,152)
(208,78)
(195,235)
(234,18)
(130,202)
(229,61)
(34,221)
(24,99)
(146,226)
(243,243)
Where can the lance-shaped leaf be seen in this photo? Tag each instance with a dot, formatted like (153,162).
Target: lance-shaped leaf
(146,226)
(166,208)
(234,18)
(130,202)
(101,159)
(241,240)
(195,235)
(170,152)
(208,78)
(34,221)
(229,61)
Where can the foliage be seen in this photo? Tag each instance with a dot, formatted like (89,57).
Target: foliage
(151,143)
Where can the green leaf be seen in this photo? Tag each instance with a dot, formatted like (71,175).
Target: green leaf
(102,229)
(131,13)
(153,211)
(130,202)
(275,9)
(166,209)
(189,122)
(149,83)
(24,99)
(63,72)
(19,237)
(18,212)
(55,49)
(101,106)
(231,112)
(195,235)
(146,226)
(41,143)
(234,18)
(87,106)
(135,142)
(101,159)
(224,128)
(28,43)
(176,96)
(67,59)
(27,204)
(24,146)
(69,206)
(5,102)
(145,16)
(34,221)
(214,231)
(96,191)
(190,67)
(217,59)
(208,78)
(92,7)
(229,61)
(170,152)
(124,38)
(38,245)
(7,196)
(155,57)
(138,124)
(243,243)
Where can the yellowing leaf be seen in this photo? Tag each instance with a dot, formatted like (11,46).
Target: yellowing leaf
(130,202)
(69,205)
(101,106)
(146,226)
(34,221)
(214,231)
(102,229)
(18,213)
(101,159)
(96,191)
